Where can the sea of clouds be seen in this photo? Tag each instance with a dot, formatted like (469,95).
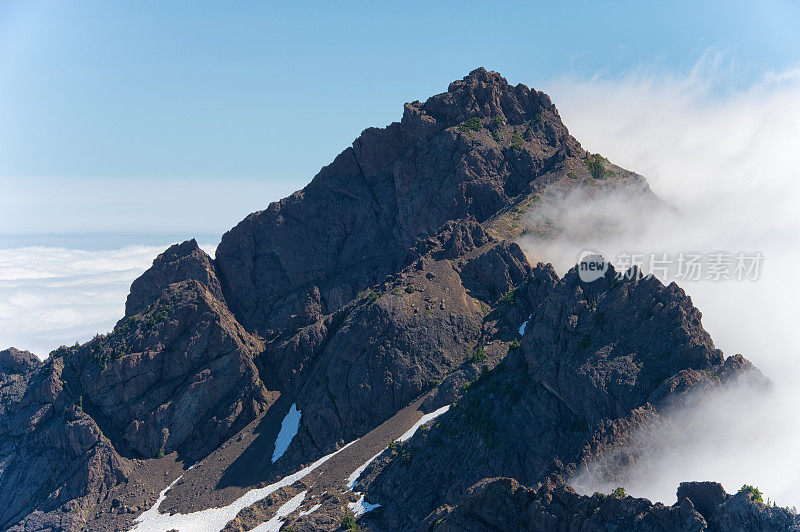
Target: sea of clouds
(726,159)
(52,296)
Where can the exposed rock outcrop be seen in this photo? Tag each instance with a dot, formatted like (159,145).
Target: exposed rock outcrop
(16,363)
(181,262)
(390,280)
(52,454)
(178,372)
(353,224)
(577,389)
(357,367)
(503,504)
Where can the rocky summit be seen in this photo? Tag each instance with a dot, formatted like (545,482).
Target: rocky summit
(377,352)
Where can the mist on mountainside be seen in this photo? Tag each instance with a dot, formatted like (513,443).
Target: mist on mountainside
(726,170)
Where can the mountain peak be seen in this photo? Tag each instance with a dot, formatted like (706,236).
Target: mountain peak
(14,361)
(386,289)
(179,262)
(480,75)
(485,94)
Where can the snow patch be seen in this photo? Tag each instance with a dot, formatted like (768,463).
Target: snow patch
(360,507)
(274,524)
(351,480)
(215,519)
(289,427)
(522,327)
(148,516)
(310,510)
(424,419)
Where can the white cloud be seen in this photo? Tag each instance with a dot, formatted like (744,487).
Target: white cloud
(720,437)
(53,296)
(727,160)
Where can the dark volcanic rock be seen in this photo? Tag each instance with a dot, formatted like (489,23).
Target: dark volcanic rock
(492,274)
(354,369)
(353,224)
(628,336)
(16,362)
(383,282)
(574,392)
(178,374)
(16,368)
(502,504)
(181,262)
(735,512)
(52,454)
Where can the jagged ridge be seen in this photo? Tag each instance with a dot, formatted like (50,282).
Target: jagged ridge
(385,280)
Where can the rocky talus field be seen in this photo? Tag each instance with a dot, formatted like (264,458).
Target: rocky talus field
(377,352)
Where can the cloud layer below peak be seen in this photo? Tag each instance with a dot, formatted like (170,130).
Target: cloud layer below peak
(726,159)
(52,296)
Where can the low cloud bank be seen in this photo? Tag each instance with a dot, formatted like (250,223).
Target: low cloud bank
(725,159)
(52,296)
(718,436)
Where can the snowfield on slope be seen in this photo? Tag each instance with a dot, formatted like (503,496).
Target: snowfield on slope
(361,507)
(274,524)
(522,327)
(215,519)
(424,419)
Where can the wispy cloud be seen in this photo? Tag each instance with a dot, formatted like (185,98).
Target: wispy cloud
(727,160)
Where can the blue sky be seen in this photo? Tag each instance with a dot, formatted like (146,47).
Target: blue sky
(109,96)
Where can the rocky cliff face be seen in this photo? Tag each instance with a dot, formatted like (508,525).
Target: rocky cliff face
(358,366)
(467,152)
(596,362)
(390,282)
(53,455)
(177,372)
(503,504)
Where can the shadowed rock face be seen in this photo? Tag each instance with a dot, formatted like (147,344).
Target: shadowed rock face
(357,367)
(15,364)
(181,262)
(353,224)
(572,395)
(503,504)
(177,372)
(604,347)
(52,453)
(386,280)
